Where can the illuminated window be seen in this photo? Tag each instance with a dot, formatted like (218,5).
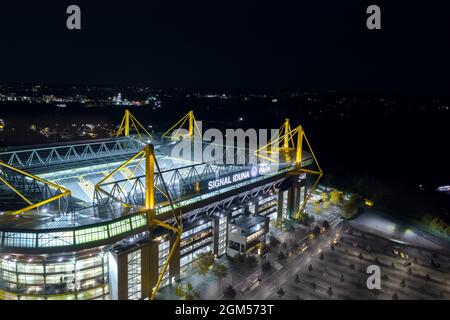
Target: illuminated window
(134,275)
(119,227)
(138,221)
(55,239)
(91,234)
(19,239)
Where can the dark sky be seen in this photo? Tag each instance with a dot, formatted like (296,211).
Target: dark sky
(230,44)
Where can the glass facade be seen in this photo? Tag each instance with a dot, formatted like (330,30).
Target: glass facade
(52,277)
(222,242)
(134,275)
(284,205)
(268,206)
(163,254)
(70,238)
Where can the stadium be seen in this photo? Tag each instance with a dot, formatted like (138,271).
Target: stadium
(120,218)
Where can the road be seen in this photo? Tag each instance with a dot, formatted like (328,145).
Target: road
(272,284)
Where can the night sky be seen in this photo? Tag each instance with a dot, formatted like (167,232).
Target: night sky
(231,44)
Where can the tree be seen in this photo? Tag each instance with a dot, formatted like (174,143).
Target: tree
(281,256)
(359,284)
(281,292)
(293,246)
(351,206)
(229,292)
(204,262)
(316,231)
(251,261)
(335,196)
(316,206)
(274,242)
(192,295)
(186,292)
(330,291)
(266,266)
(220,271)
(179,291)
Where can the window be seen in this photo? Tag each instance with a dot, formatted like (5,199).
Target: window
(119,227)
(19,239)
(138,221)
(30,268)
(234,245)
(134,275)
(55,239)
(284,205)
(91,234)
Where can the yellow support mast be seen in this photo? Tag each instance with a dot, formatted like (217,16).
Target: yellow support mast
(130,122)
(287,131)
(298,159)
(191,123)
(149,177)
(192,128)
(291,140)
(148,154)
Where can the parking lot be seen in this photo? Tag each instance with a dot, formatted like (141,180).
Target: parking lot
(338,271)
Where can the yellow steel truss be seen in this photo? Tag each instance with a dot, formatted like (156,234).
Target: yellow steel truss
(129,122)
(299,169)
(64,192)
(283,144)
(192,127)
(148,154)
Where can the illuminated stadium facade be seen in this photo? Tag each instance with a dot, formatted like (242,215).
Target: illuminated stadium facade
(120,218)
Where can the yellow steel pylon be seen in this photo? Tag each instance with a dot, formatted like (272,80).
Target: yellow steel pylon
(285,135)
(282,144)
(286,141)
(148,154)
(64,192)
(129,122)
(192,128)
(299,168)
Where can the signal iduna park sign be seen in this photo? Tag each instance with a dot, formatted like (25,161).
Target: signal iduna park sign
(237,177)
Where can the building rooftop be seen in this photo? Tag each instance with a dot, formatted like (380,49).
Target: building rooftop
(247,221)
